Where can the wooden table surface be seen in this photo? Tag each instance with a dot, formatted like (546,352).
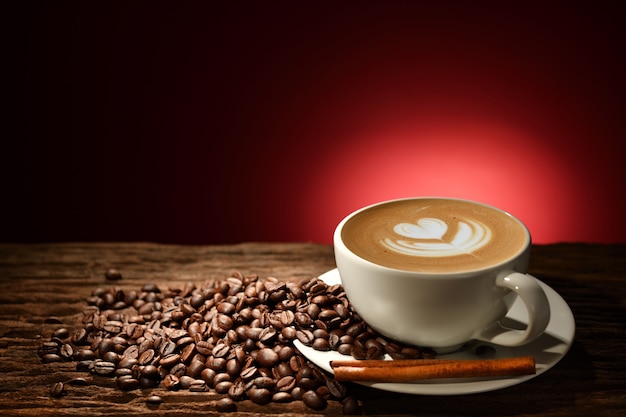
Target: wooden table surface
(44,280)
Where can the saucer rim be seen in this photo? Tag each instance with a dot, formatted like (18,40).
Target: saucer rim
(560,327)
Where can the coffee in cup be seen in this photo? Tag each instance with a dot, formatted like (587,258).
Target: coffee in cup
(439,272)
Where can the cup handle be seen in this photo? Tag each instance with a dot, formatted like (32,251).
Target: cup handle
(531,293)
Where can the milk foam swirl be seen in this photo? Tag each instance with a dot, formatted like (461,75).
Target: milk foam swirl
(427,238)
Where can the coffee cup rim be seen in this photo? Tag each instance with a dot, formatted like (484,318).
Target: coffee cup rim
(339,243)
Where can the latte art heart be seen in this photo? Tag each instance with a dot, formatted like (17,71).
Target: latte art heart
(427,238)
(424,229)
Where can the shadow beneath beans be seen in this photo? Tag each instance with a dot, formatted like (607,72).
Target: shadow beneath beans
(556,388)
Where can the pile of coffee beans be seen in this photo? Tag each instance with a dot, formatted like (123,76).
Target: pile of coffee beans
(232,336)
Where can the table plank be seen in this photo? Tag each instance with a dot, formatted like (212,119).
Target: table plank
(43,280)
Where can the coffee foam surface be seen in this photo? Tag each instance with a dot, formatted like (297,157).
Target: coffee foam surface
(434,235)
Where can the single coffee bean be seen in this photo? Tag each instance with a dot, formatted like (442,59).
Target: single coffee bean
(198,385)
(145,382)
(221,350)
(282,397)
(237,390)
(50,358)
(305,337)
(150,371)
(66,351)
(195,368)
(171,382)
(126,383)
(104,368)
(267,357)
(320,344)
(154,399)
(57,390)
(286,383)
(350,406)
(61,333)
(113,274)
(225,405)
(170,360)
(249,373)
(146,357)
(260,396)
(120,372)
(336,388)
(53,320)
(223,387)
(314,401)
(78,381)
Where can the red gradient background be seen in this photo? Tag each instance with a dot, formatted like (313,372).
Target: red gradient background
(193,122)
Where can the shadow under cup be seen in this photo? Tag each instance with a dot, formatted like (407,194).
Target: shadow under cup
(442,310)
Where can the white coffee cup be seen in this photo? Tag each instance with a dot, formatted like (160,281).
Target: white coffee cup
(439,272)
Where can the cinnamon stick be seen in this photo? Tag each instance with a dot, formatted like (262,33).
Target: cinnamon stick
(420,369)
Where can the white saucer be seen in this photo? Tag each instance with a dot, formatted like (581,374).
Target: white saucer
(548,350)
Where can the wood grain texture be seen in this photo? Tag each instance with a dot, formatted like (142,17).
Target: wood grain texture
(39,281)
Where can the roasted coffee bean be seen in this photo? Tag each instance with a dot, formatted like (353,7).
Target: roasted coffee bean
(113,274)
(350,406)
(221,350)
(320,344)
(223,387)
(169,360)
(233,367)
(267,358)
(264,382)
(230,336)
(150,371)
(84,366)
(195,368)
(208,375)
(57,390)
(119,372)
(127,383)
(305,337)
(282,397)
(154,399)
(260,396)
(313,310)
(53,320)
(49,348)
(111,357)
(268,335)
(249,373)
(314,401)
(225,405)
(145,382)
(79,337)
(221,377)
(146,357)
(286,383)
(198,385)
(188,353)
(61,333)
(237,390)
(78,381)
(104,368)
(203,347)
(50,358)
(171,382)
(66,351)
(217,364)
(345,349)
(303,320)
(336,388)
